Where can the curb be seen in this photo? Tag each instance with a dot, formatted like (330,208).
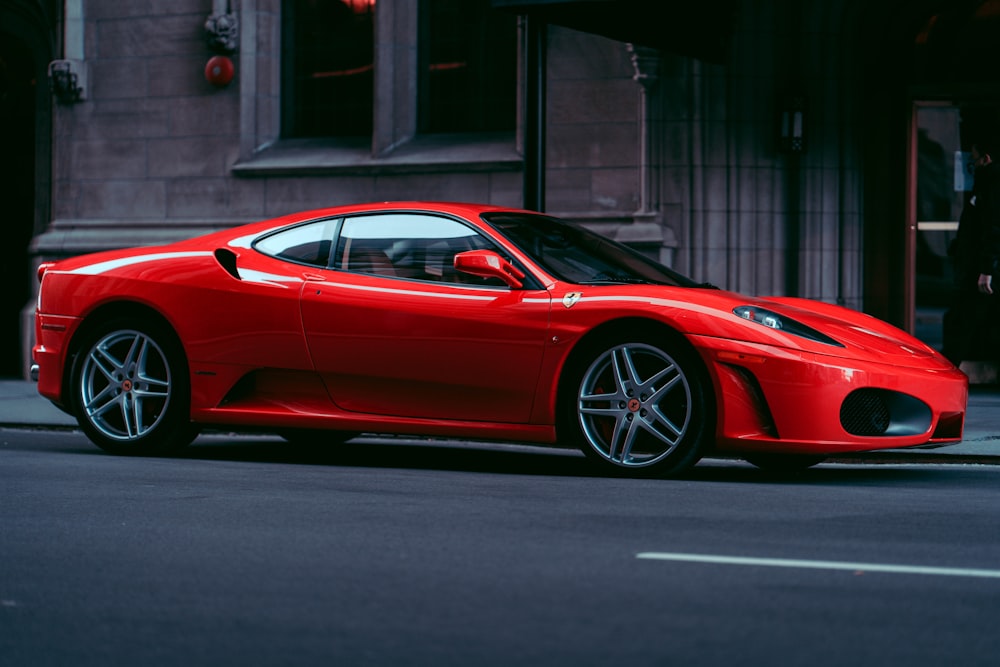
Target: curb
(21,407)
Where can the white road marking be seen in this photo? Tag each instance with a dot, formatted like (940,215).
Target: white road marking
(822,565)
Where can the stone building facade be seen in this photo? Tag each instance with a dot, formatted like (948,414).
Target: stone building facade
(784,163)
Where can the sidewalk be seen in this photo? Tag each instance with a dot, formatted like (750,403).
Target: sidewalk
(21,406)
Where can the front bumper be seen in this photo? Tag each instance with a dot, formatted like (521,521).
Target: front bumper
(785,401)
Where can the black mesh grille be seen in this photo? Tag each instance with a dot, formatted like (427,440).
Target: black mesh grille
(865,412)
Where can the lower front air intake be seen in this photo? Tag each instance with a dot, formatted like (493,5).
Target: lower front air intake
(883,412)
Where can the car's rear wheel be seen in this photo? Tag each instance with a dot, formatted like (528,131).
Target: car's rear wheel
(639,408)
(131,390)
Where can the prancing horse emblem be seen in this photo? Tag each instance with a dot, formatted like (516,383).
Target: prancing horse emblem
(571,298)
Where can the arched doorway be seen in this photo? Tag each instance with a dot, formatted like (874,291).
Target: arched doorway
(26,37)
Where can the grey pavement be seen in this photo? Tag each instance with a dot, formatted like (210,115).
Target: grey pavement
(22,407)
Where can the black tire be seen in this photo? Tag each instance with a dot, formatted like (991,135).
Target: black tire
(784,463)
(130,388)
(639,406)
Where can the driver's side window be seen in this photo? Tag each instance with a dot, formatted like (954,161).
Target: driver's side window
(416,246)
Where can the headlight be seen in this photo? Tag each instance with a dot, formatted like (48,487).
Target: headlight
(773,320)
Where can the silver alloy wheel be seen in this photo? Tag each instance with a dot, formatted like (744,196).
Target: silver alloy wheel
(634,405)
(125,385)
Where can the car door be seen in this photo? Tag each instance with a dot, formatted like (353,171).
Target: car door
(394,330)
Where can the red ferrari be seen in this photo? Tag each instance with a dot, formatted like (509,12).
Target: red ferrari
(471,321)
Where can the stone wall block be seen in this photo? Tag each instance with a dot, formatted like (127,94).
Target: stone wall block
(188,157)
(108,159)
(124,200)
(585,102)
(123,119)
(198,198)
(149,36)
(116,78)
(288,195)
(181,77)
(614,190)
(593,145)
(117,9)
(473,187)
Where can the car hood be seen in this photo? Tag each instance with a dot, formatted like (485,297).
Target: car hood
(860,333)
(709,312)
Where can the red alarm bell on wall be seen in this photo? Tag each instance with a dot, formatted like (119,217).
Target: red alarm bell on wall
(219,71)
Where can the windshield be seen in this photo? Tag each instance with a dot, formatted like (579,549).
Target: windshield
(577,255)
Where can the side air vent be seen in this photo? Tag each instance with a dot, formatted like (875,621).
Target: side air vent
(882,412)
(227,260)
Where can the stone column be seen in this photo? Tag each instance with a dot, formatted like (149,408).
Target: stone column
(649,224)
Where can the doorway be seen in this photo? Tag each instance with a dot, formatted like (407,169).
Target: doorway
(944,134)
(940,195)
(18,94)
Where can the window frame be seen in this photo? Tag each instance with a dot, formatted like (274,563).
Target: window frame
(429,100)
(292,125)
(432,275)
(332,232)
(265,152)
(330,228)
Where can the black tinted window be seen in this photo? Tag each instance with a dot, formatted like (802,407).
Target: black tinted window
(577,255)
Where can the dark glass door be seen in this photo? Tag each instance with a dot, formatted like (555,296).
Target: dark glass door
(943,179)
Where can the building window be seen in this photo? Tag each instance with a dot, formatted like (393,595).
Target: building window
(468,74)
(328,55)
(464,81)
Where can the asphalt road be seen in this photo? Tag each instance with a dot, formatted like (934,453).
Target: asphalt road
(247,552)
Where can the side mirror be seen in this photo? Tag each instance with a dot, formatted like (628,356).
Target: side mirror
(488,264)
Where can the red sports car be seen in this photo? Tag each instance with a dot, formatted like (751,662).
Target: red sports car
(482,322)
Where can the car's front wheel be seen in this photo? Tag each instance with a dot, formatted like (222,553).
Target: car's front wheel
(640,408)
(131,390)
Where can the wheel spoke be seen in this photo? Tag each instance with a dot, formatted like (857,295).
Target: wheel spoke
(655,379)
(660,392)
(600,412)
(625,373)
(657,413)
(105,363)
(152,390)
(627,441)
(677,431)
(135,352)
(600,398)
(146,384)
(662,419)
(130,416)
(104,401)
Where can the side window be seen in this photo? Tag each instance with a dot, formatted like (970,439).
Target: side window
(309,243)
(409,245)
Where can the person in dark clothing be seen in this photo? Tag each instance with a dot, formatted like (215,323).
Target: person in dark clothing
(976,256)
